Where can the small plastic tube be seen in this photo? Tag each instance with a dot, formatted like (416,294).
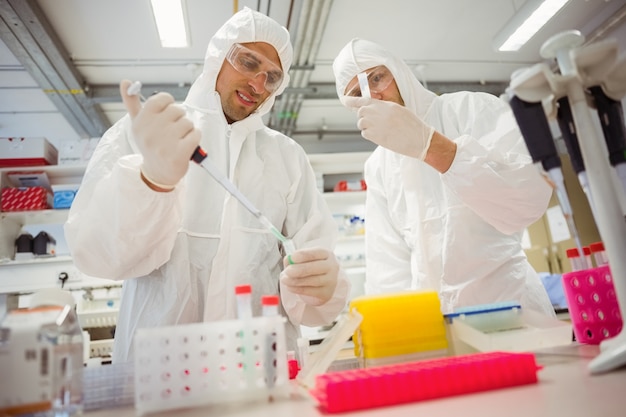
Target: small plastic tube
(364,85)
(599,254)
(269,305)
(292,364)
(243,294)
(587,257)
(303,351)
(577,262)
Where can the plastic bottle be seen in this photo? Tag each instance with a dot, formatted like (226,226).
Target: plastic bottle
(24,246)
(44,244)
(65,337)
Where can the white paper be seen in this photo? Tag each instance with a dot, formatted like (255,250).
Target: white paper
(557,224)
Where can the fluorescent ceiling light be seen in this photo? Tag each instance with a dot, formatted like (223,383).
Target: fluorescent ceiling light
(170,21)
(529,19)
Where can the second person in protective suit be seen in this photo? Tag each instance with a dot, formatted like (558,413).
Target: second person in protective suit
(181,244)
(450,187)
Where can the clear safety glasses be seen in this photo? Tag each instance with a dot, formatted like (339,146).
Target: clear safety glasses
(378,79)
(252,64)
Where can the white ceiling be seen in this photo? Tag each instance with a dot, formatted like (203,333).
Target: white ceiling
(447,42)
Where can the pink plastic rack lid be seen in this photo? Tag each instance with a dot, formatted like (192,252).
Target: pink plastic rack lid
(593,305)
(359,389)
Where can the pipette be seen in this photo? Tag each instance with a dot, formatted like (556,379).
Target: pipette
(364,85)
(200,157)
(533,125)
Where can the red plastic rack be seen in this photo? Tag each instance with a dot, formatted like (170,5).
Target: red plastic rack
(359,389)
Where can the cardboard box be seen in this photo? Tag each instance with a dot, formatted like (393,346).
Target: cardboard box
(26,198)
(37,151)
(77,152)
(29,179)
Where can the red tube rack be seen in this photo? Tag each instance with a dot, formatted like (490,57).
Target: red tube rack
(359,389)
(593,305)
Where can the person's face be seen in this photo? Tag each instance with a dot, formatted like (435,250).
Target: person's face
(249,80)
(382,85)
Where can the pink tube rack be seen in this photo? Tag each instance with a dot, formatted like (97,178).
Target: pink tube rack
(592,303)
(359,389)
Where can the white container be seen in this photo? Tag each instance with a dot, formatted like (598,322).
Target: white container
(536,332)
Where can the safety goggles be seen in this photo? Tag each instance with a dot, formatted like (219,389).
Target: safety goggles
(378,79)
(252,64)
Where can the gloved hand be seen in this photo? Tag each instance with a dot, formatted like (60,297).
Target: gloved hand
(312,274)
(391,126)
(165,137)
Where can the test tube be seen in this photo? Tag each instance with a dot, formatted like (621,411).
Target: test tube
(303,351)
(587,257)
(599,254)
(292,364)
(269,305)
(243,293)
(364,85)
(577,262)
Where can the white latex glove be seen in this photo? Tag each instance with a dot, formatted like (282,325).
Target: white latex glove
(391,126)
(312,274)
(165,137)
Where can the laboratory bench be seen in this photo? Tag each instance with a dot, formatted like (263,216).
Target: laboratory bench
(565,388)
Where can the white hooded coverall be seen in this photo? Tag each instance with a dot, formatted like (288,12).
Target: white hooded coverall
(182,253)
(458,233)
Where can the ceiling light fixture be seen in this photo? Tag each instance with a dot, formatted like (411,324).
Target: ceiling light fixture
(170,20)
(524,24)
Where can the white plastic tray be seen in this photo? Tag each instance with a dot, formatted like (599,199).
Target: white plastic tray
(537,332)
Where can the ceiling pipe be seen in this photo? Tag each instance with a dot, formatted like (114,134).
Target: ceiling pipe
(110,93)
(313,51)
(30,37)
(600,32)
(280,105)
(311,25)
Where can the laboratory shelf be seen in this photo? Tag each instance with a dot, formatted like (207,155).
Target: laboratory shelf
(346,197)
(57,174)
(339,162)
(36,216)
(351,238)
(26,278)
(36,261)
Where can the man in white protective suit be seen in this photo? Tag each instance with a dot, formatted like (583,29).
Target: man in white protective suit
(450,188)
(146,215)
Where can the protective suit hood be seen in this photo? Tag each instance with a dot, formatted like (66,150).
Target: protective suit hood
(359,55)
(244,26)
